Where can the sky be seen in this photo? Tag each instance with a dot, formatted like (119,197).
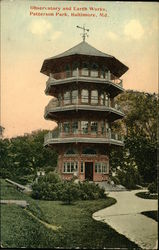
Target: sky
(126,30)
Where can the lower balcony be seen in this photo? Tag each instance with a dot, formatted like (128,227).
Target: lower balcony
(59,138)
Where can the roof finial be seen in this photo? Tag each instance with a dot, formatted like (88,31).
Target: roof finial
(84,34)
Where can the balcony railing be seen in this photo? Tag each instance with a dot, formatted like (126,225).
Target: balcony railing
(58,135)
(79,74)
(54,103)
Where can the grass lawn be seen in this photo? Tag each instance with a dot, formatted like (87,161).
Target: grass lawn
(151,214)
(146,195)
(77,228)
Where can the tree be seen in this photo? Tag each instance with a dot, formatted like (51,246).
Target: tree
(22,156)
(139,127)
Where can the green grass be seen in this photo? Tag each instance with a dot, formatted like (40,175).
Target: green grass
(151,214)
(78,229)
(146,195)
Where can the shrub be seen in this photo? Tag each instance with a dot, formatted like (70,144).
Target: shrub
(70,192)
(152,187)
(51,187)
(129,177)
(90,191)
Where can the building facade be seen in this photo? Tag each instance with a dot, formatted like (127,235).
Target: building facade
(84,83)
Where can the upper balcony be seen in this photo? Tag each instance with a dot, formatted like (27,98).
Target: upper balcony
(56,138)
(56,109)
(106,79)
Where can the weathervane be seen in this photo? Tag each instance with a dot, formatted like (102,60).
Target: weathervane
(84,34)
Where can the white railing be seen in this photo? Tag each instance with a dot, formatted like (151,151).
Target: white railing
(54,103)
(57,134)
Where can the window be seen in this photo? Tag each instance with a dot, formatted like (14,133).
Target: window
(60,127)
(82,167)
(70,151)
(104,168)
(75,96)
(84,127)
(76,166)
(84,96)
(75,127)
(102,73)
(67,97)
(59,99)
(102,127)
(94,127)
(107,74)
(94,97)
(66,127)
(94,71)
(75,67)
(70,167)
(65,167)
(98,167)
(90,151)
(85,70)
(108,130)
(68,71)
(106,100)
(102,99)
(101,167)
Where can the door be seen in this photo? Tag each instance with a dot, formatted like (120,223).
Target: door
(89,171)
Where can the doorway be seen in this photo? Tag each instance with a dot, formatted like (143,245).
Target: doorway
(89,171)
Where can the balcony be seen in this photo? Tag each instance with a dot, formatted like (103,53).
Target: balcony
(75,105)
(56,137)
(77,75)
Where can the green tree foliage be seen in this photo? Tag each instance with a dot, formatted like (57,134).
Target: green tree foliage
(22,156)
(139,127)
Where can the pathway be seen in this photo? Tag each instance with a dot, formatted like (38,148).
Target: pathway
(21,203)
(125,218)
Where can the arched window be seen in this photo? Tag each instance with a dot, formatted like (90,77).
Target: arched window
(106,100)
(68,70)
(102,73)
(102,99)
(102,127)
(60,127)
(75,96)
(75,127)
(94,97)
(66,127)
(90,151)
(85,69)
(59,99)
(75,68)
(70,151)
(108,130)
(67,97)
(107,74)
(84,96)
(94,70)
(94,127)
(84,127)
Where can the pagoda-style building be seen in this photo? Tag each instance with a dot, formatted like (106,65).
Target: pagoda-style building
(84,83)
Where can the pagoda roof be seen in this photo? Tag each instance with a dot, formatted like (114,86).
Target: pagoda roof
(86,49)
(82,48)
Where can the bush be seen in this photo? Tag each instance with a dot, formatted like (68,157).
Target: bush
(152,187)
(70,192)
(90,191)
(51,187)
(129,177)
